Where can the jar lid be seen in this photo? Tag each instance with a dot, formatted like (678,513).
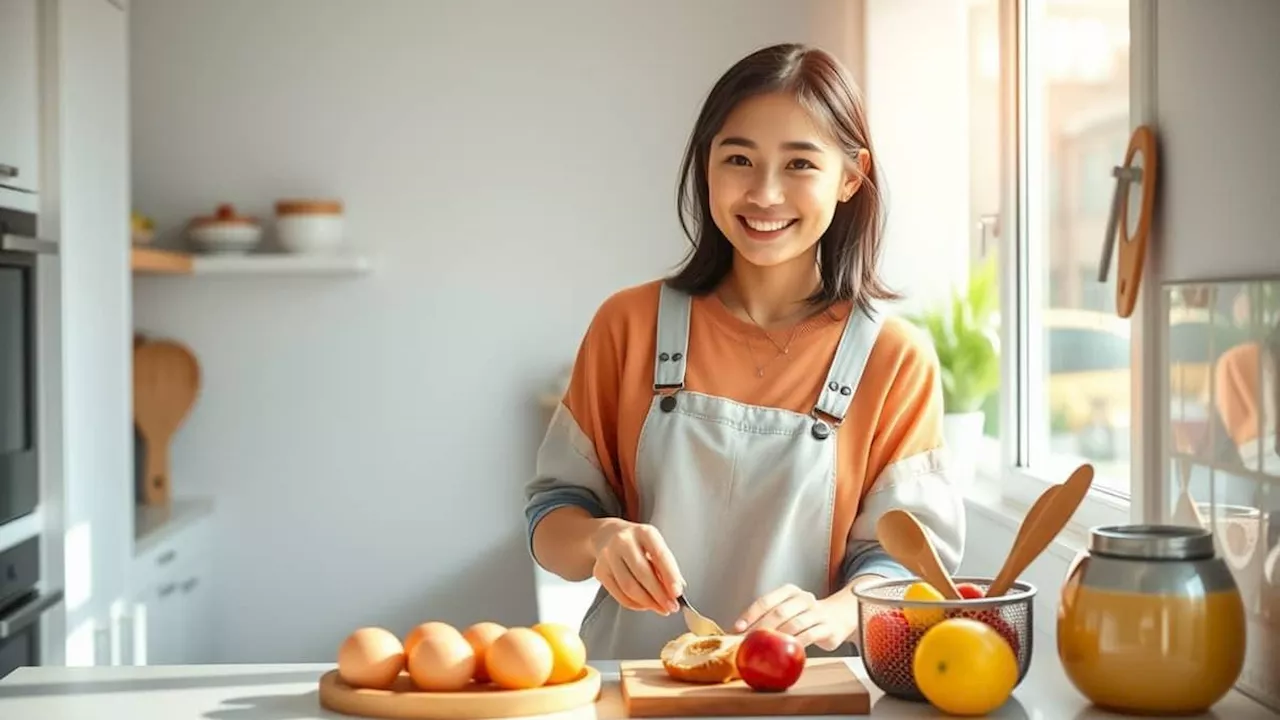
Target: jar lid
(1152,542)
(225,214)
(304,206)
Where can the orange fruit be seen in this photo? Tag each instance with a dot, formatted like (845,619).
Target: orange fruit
(567,650)
(964,667)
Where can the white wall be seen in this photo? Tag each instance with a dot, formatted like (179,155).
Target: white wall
(510,163)
(917,84)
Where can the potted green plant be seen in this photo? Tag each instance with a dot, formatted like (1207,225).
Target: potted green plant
(965,334)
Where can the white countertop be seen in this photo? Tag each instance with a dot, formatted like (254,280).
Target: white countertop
(288,692)
(152,525)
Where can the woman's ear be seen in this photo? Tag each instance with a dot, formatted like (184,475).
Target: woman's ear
(852,180)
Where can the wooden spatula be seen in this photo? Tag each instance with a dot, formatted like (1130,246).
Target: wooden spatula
(1050,513)
(905,540)
(166,380)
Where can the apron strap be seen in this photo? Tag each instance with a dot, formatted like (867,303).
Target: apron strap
(673,339)
(859,336)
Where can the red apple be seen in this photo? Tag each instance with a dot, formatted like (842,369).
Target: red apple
(769,660)
(969,591)
(887,639)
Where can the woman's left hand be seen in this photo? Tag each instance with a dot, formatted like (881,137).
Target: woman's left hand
(827,623)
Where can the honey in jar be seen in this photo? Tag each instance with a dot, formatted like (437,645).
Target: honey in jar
(1151,621)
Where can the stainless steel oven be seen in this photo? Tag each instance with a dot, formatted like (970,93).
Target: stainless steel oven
(22,605)
(19,470)
(23,601)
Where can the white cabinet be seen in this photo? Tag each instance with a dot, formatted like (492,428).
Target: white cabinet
(172,613)
(19,95)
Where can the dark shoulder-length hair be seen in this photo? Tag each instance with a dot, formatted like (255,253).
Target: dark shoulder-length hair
(849,251)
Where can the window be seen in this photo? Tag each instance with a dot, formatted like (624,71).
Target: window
(1048,120)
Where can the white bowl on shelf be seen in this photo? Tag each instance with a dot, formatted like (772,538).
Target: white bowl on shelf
(309,226)
(225,232)
(226,239)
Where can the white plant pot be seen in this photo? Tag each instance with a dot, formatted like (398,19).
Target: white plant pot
(962,433)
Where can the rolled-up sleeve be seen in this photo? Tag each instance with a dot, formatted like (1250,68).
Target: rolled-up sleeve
(577,463)
(912,474)
(568,474)
(919,485)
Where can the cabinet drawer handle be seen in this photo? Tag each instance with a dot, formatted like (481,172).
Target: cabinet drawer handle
(168,589)
(166,557)
(8,171)
(190,585)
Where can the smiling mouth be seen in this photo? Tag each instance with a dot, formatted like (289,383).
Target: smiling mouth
(767,226)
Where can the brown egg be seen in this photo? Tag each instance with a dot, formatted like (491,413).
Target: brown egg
(519,659)
(370,657)
(416,634)
(442,660)
(481,636)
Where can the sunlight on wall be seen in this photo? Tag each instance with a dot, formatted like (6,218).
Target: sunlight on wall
(79,567)
(81,650)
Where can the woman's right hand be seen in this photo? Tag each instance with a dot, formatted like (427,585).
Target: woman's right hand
(635,566)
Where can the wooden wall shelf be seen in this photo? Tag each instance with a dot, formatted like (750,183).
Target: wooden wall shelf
(151,261)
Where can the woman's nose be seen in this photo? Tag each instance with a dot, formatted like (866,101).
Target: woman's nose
(765,190)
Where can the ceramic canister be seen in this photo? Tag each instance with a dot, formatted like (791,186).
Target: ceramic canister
(1151,620)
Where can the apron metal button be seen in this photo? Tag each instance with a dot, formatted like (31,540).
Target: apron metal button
(821,430)
(845,389)
(677,357)
(664,357)
(834,386)
(667,403)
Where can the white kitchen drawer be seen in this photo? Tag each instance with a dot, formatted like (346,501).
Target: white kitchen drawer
(171,579)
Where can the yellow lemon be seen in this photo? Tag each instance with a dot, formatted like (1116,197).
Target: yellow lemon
(964,667)
(922,617)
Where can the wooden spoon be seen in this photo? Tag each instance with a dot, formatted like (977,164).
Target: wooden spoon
(1057,505)
(905,540)
(166,381)
(1008,573)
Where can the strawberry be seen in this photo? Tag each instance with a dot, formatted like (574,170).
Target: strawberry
(969,591)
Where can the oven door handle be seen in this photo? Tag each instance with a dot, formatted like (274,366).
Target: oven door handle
(18,620)
(24,244)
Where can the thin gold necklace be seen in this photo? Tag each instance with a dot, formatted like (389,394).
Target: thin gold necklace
(782,350)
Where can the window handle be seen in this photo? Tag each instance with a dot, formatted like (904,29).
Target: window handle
(988,226)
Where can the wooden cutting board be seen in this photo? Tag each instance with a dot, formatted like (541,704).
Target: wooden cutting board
(827,687)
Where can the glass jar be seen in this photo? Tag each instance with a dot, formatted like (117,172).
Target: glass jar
(1151,620)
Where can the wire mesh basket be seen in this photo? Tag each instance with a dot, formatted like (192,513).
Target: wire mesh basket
(890,628)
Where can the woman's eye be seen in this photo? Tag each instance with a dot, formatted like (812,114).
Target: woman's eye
(802,164)
(739,160)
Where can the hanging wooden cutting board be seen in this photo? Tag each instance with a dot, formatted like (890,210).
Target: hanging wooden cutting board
(827,687)
(166,381)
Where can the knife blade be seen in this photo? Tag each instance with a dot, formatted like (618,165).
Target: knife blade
(697,623)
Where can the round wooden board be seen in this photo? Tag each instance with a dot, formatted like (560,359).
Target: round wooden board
(404,702)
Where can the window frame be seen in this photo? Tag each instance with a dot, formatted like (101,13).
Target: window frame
(1022,392)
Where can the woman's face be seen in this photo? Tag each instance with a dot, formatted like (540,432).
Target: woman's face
(774,179)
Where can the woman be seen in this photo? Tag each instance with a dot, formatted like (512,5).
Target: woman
(734,432)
